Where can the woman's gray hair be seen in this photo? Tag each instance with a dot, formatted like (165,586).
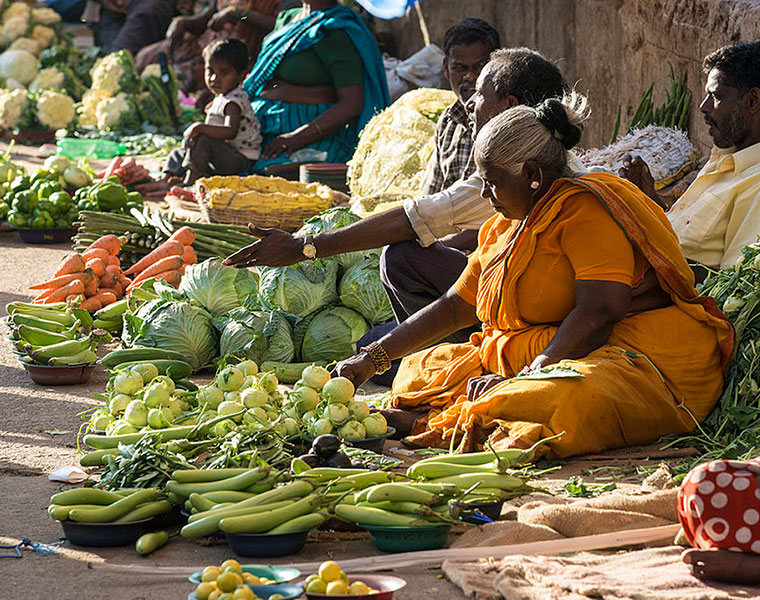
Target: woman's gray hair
(543,134)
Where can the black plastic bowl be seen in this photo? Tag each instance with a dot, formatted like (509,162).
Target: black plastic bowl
(375,444)
(492,510)
(103,534)
(60,374)
(46,236)
(264,544)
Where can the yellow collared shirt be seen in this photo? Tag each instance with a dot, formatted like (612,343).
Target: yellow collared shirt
(720,212)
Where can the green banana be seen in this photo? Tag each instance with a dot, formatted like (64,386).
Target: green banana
(15,306)
(33,321)
(66,348)
(61,317)
(85,356)
(41,337)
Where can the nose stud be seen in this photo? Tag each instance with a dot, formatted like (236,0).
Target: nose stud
(534,185)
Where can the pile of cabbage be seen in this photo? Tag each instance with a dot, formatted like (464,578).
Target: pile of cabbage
(312,312)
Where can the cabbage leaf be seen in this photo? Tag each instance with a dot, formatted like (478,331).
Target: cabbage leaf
(299,289)
(332,334)
(334,218)
(361,289)
(256,335)
(217,288)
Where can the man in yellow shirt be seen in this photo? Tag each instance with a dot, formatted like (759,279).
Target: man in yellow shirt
(719,213)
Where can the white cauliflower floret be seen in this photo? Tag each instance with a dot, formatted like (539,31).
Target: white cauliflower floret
(109,111)
(48,79)
(55,110)
(28,44)
(107,74)
(14,28)
(45,16)
(11,106)
(153,70)
(89,105)
(44,35)
(17,9)
(13,84)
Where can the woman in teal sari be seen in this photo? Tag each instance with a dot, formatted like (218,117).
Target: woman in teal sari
(318,79)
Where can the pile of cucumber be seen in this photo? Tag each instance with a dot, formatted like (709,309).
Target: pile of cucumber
(92,505)
(52,334)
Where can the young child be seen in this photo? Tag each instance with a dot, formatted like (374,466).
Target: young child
(229,140)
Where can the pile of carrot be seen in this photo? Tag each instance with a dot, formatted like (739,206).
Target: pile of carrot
(92,278)
(166,262)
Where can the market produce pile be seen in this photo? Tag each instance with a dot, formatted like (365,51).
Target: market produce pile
(732,429)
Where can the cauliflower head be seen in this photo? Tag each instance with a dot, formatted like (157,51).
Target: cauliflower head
(116,72)
(109,111)
(55,110)
(45,16)
(12,103)
(19,65)
(14,28)
(88,107)
(17,9)
(44,35)
(12,84)
(48,79)
(27,44)
(153,70)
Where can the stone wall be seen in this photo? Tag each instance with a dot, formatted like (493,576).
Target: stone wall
(613,49)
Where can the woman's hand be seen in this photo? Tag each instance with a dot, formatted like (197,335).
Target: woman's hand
(223,17)
(477,386)
(275,248)
(287,142)
(358,369)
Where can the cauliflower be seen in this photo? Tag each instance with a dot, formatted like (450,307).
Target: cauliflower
(153,70)
(109,111)
(45,16)
(12,84)
(115,73)
(12,104)
(55,110)
(88,108)
(17,9)
(19,65)
(48,79)
(28,44)
(44,35)
(14,28)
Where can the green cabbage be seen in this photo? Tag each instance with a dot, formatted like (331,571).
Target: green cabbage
(173,325)
(361,289)
(217,288)
(332,334)
(257,336)
(299,289)
(334,218)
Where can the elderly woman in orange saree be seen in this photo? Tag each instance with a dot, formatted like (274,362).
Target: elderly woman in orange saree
(577,272)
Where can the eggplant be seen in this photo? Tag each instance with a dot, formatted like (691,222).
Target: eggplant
(311,459)
(325,445)
(338,460)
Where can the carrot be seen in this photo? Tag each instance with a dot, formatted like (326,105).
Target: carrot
(91,287)
(92,304)
(103,255)
(118,289)
(184,235)
(74,298)
(114,261)
(105,298)
(108,291)
(73,263)
(168,248)
(75,287)
(188,256)
(62,280)
(172,277)
(108,280)
(170,263)
(110,243)
(114,270)
(43,295)
(98,266)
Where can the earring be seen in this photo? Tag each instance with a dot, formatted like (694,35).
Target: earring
(534,185)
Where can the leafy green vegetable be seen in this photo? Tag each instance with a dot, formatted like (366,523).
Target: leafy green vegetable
(299,289)
(217,288)
(332,334)
(576,488)
(257,336)
(361,289)
(173,325)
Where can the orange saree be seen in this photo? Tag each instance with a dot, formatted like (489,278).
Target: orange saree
(660,372)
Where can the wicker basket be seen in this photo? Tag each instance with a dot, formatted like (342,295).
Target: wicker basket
(265,205)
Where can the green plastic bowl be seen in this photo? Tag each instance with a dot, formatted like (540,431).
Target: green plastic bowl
(408,539)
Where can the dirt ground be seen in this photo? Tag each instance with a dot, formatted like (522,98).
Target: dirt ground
(38,430)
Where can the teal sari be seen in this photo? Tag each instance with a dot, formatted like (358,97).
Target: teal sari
(277,117)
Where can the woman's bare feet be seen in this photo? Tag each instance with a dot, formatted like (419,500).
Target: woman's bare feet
(740,568)
(402,420)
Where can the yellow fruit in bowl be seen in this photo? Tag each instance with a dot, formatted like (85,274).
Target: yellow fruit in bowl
(316,585)
(329,571)
(358,587)
(215,595)
(243,592)
(252,579)
(210,573)
(226,596)
(204,589)
(337,588)
(373,591)
(228,581)
(233,569)
(230,562)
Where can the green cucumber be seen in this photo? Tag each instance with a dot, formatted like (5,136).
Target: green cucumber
(124,355)
(151,542)
(288,372)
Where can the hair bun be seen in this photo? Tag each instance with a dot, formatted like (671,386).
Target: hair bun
(552,113)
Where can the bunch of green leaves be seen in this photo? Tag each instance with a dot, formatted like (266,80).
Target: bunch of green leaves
(249,448)
(576,488)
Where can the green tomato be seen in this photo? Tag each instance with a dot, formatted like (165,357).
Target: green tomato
(61,201)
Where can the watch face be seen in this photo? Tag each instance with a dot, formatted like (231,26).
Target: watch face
(309,250)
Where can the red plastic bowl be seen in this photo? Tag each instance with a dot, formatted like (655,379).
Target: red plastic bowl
(385,583)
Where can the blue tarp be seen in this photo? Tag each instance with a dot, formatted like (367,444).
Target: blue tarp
(386,9)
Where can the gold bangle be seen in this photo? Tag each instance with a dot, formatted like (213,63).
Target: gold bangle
(379,356)
(318,128)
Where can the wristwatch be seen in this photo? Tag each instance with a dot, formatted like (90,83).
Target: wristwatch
(309,250)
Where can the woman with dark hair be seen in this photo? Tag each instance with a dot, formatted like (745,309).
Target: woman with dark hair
(318,80)
(583,273)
